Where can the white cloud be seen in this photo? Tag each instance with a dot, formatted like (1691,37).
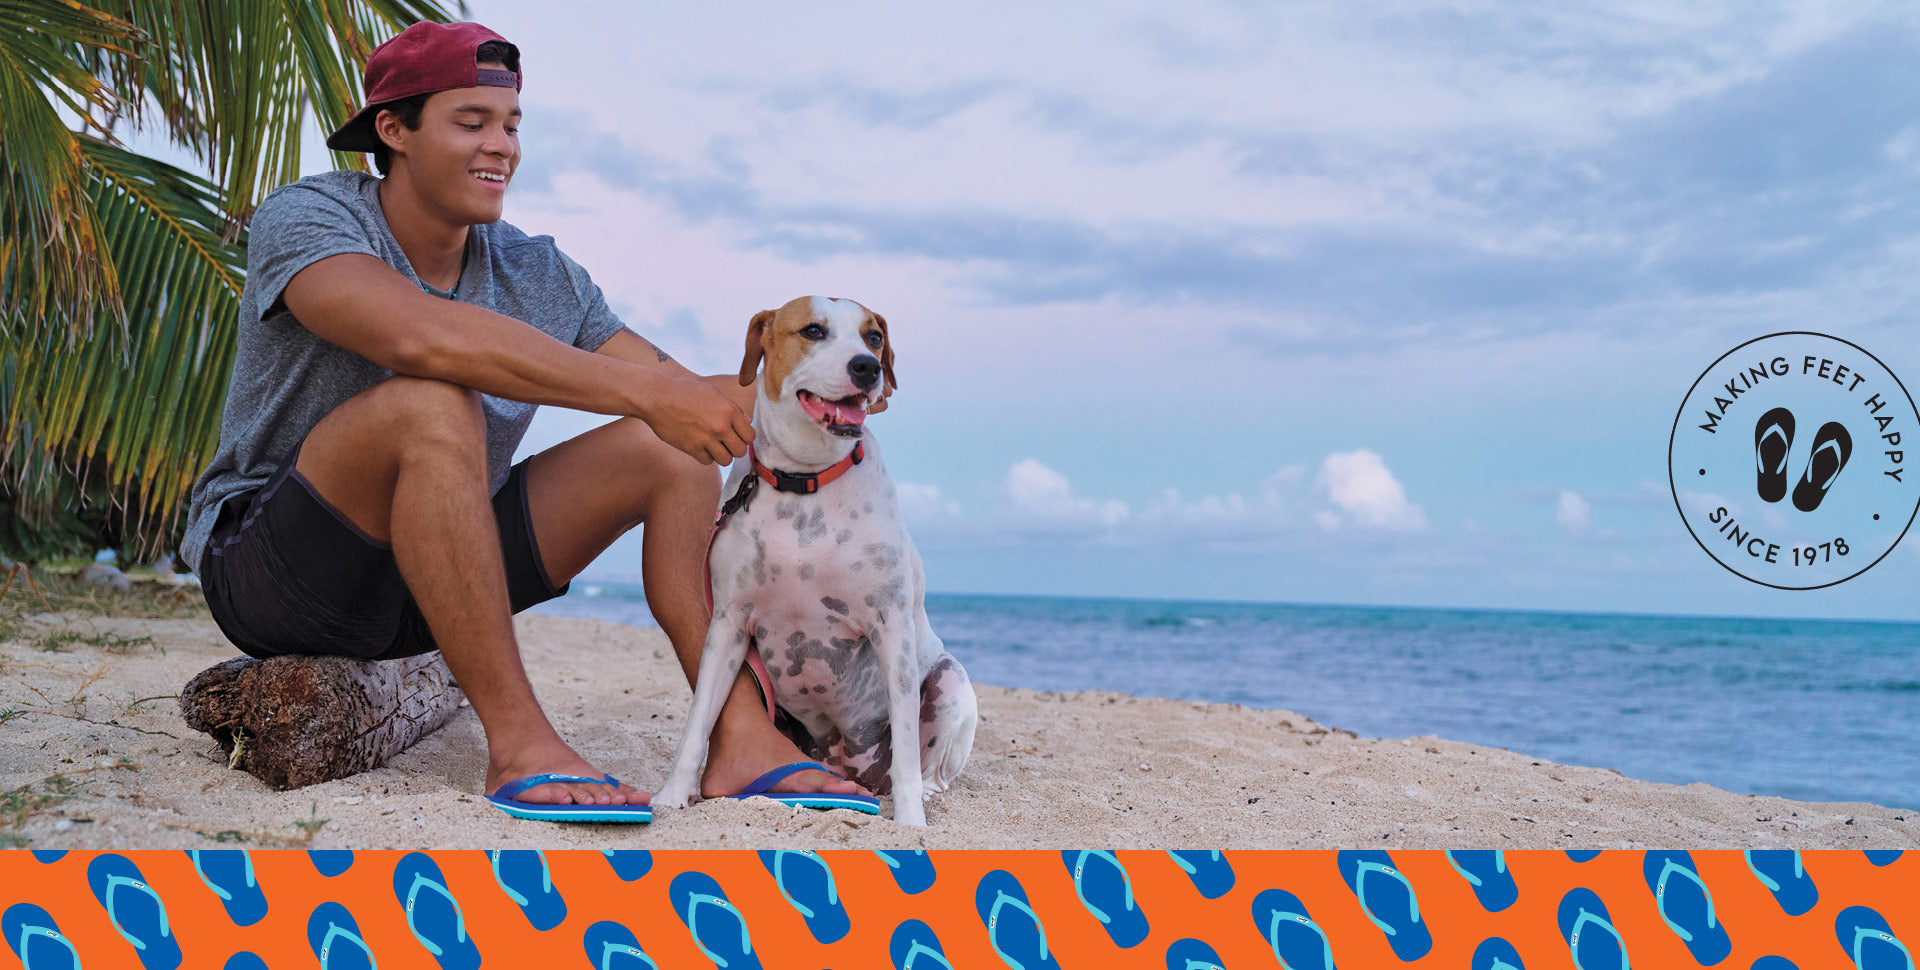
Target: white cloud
(1575,515)
(924,504)
(1358,483)
(1039,499)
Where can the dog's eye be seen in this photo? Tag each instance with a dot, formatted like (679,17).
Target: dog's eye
(874,339)
(813,331)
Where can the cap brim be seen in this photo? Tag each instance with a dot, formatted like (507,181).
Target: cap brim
(357,135)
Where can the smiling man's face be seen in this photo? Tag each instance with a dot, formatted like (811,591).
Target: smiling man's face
(463,155)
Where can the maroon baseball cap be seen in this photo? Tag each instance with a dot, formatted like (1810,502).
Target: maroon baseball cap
(422,59)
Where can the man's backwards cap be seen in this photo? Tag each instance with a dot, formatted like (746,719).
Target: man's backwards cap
(422,59)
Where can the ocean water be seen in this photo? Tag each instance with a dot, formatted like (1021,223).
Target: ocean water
(1816,710)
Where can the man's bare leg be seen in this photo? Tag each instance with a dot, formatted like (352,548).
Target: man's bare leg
(588,491)
(405,461)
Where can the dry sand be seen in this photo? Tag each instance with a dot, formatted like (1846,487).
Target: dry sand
(1048,771)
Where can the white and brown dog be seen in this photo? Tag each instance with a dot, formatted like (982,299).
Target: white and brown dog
(812,567)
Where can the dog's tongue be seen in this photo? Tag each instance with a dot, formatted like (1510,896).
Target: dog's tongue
(843,412)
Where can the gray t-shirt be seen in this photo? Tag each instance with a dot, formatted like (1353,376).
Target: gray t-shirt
(285,378)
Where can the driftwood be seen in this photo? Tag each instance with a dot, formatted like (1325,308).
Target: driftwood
(304,720)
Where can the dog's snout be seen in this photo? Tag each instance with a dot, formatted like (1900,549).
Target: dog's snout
(865,371)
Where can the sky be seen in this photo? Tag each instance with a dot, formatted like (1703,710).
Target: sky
(1383,303)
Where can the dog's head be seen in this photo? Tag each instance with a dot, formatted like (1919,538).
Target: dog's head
(825,355)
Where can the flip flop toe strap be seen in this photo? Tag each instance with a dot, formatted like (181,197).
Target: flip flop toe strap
(761,784)
(514,788)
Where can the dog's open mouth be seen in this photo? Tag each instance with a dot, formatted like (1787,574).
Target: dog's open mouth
(842,417)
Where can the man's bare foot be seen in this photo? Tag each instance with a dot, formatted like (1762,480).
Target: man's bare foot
(556,758)
(746,745)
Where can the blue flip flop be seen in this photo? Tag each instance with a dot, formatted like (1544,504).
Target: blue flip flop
(1869,941)
(504,799)
(1588,930)
(229,873)
(1395,911)
(1014,930)
(1882,857)
(1106,891)
(335,939)
(1494,953)
(433,914)
(1212,875)
(719,930)
(245,960)
(135,910)
(821,800)
(1774,963)
(525,877)
(914,947)
(1686,905)
(49,856)
(1781,871)
(611,946)
(33,935)
(1193,955)
(807,882)
(1583,855)
(629,864)
(912,868)
(1295,939)
(1486,871)
(330,862)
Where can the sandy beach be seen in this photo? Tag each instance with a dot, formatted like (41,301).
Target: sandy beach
(94,754)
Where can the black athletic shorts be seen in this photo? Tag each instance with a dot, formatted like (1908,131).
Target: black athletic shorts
(286,573)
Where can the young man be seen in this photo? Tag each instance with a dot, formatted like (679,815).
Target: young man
(395,339)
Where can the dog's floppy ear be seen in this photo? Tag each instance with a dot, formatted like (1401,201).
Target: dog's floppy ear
(886,352)
(756,347)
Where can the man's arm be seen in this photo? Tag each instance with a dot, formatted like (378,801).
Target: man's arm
(633,348)
(361,304)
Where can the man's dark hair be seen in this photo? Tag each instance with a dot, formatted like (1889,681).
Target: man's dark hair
(408,109)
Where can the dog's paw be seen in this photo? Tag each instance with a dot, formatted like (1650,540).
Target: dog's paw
(673,795)
(909,812)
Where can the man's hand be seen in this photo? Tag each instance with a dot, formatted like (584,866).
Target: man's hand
(697,419)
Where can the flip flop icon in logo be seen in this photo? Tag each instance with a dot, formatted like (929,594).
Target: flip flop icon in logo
(1772,440)
(1832,446)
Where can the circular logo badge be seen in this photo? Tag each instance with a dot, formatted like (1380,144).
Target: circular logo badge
(1788,460)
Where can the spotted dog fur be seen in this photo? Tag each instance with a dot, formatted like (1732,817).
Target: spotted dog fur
(828,587)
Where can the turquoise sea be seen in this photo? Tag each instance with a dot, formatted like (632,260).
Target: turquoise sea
(1817,710)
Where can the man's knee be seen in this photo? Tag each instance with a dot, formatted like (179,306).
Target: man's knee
(421,414)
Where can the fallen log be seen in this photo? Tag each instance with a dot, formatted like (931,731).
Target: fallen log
(300,721)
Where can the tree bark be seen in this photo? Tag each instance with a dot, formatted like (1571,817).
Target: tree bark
(305,720)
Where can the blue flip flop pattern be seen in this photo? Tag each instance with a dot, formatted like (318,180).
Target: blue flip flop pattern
(1685,904)
(1785,876)
(335,939)
(505,798)
(1106,890)
(1869,941)
(806,881)
(229,873)
(1588,929)
(37,940)
(629,864)
(1387,899)
(1193,955)
(245,960)
(719,929)
(1486,871)
(1014,930)
(758,788)
(915,947)
(1209,869)
(135,910)
(330,862)
(1774,963)
(523,874)
(1494,953)
(611,946)
(1295,939)
(433,914)
(49,856)
(912,868)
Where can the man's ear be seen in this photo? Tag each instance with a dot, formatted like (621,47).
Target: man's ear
(756,346)
(886,352)
(388,128)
